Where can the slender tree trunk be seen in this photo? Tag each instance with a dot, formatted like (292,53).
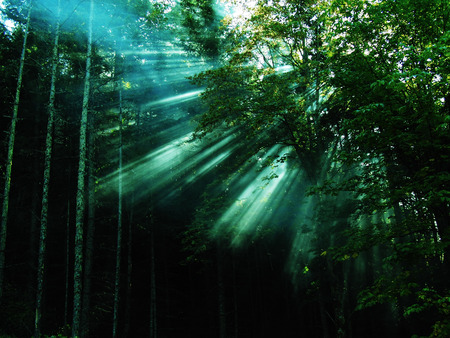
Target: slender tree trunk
(79,217)
(33,235)
(323,316)
(153,321)
(126,330)
(89,250)
(441,215)
(9,160)
(66,296)
(221,294)
(46,183)
(33,248)
(235,301)
(119,226)
(34,220)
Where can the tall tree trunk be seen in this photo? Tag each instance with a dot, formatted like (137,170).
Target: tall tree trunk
(153,321)
(235,300)
(89,249)
(33,234)
(323,316)
(441,213)
(66,295)
(221,293)
(9,160)
(46,183)
(126,329)
(119,225)
(79,217)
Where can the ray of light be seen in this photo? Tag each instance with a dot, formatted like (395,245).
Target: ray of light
(303,236)
(258,201)
(177,99)
(171,167)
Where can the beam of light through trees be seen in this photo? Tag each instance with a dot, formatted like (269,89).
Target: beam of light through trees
(171,167)
(256,201)
(261,196)
(173,100)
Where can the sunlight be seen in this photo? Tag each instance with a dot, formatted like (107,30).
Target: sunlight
(262,192)
(241,11)
(300,251)
(9,24)
(177,99)
(169,169)
(284,69)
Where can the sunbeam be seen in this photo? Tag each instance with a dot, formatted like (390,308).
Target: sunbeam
(174,100)
(262,192)
(167,170)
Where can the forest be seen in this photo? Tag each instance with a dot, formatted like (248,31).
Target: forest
(232,168)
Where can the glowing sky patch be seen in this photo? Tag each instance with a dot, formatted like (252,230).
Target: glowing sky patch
(241,11)
(9,24)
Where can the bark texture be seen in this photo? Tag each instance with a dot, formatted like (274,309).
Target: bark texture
(79,217)
(46,182)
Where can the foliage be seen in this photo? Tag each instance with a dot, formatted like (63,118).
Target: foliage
(429,300)
(270,86)
(200,30)
(391,96)
(373,77)
(197,241)
(395,111)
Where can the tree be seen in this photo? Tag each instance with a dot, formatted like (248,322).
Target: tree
(9,160)
(78,265)
(153,318)
(391,104)
(46,182)
(119,220)
(271,83)
(386,120)
(200,28)
(271,90)
(89,246)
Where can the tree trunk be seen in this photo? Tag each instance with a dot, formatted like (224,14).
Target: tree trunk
(66,296)
(126,329)
(9,161)
(235,300)
(323,316)
(221,294)
(153,322)
(79,217)
(89,250)
(119,225)
(33,234)
(441,215)
(46,183)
